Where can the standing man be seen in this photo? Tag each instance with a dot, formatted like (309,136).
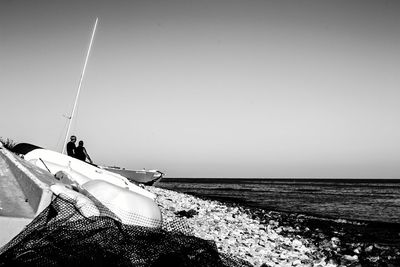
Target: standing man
(71,146)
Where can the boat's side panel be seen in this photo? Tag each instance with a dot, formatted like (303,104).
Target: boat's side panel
(33,183)
(24,193)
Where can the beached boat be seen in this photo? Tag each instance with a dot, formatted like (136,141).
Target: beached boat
(79,171)
(30,182)
(146,177)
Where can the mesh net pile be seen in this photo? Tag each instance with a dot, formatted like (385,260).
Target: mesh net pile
(62,236)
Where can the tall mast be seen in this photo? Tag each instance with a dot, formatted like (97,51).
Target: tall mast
(79,87)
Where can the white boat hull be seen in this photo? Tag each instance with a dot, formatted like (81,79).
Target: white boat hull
(80,171)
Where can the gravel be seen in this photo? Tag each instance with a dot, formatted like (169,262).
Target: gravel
(238,233)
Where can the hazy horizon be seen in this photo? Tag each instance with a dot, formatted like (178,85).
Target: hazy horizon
(247,88)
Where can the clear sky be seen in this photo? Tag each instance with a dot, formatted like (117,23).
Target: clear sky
(209,88)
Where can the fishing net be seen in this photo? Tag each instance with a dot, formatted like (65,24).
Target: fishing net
(62,236)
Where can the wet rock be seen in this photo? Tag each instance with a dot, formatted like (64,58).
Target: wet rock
(347,259)
(273,223)
(368,249)
(186,213)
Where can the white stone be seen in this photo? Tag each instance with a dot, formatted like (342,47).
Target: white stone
(296,243)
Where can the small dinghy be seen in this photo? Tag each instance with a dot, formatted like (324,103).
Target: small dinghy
(146,177)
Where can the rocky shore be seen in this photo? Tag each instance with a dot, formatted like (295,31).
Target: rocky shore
(340,242)
(267,238)
(236,233)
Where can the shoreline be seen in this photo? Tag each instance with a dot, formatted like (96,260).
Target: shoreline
(363,202)
(298,179)
(310,215)
(235,233)
(284,239)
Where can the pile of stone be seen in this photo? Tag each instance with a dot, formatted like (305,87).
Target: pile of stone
(341,242)
(236,233)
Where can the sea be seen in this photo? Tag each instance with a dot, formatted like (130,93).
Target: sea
(370,200)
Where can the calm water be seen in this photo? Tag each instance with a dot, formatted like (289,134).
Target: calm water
(354,199)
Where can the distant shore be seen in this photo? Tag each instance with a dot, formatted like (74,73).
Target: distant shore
(268,238)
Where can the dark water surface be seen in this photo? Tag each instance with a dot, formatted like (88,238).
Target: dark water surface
(373,200)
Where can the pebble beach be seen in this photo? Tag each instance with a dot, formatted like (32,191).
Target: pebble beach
(268,238)
(235,232)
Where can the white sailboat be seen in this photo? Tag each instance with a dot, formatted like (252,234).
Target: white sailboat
(115,191)
(147,177)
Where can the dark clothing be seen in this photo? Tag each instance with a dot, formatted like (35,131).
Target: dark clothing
(80,153)
(71,149)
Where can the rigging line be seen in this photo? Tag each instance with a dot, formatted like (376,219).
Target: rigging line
(79,86)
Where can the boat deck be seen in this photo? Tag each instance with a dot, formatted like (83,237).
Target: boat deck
(24,193)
